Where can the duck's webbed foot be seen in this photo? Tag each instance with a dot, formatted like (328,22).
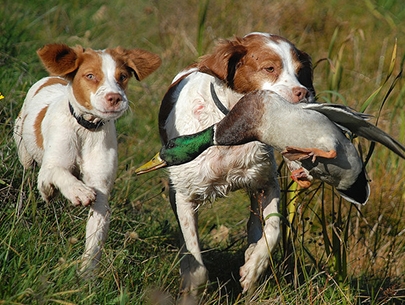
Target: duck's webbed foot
(299,174)
(301,177)
(296,153)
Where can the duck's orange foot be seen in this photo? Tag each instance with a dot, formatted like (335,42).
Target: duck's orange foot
(297,153)
(301,178)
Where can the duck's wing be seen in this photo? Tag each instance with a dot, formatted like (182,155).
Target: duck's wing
(357,123)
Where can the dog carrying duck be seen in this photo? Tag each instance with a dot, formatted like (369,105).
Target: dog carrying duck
(310,136)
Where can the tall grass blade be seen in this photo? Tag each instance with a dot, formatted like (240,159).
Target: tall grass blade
(202,17)
(371,98)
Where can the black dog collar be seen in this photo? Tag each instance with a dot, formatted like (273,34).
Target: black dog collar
(83,122)
(217,102)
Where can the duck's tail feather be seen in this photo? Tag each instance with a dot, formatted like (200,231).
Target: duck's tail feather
(356,123)
(359,191)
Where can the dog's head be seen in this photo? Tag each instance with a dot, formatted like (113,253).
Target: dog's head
(261,61)
(98,78)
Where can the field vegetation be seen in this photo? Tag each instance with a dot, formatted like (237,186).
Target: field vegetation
(331,252)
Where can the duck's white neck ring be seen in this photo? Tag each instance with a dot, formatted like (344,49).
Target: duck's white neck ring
(214,141)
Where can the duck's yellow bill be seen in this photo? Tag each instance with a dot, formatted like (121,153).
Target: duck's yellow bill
(155,163)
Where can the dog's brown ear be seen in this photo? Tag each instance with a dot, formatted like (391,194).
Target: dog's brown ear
(60,59)
(305,75)
(141,62)
(224,60)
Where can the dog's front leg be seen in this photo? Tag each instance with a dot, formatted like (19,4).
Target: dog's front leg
(55,177)
(99,172)
(96,232)
(264,210)
(193,272)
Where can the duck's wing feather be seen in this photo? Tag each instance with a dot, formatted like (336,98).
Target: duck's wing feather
(357,123)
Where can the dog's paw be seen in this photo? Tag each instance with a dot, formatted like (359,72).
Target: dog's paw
(195,282)
(255,264)
(249,251)
(47,191)
(80,194)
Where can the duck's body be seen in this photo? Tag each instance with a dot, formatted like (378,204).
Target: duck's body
(306,134)
(306,138)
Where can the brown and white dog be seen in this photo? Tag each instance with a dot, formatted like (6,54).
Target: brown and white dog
(66,126)
(235,67)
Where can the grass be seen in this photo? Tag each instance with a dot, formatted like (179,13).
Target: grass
(332,253)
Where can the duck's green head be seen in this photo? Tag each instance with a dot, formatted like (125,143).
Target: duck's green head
(179,150)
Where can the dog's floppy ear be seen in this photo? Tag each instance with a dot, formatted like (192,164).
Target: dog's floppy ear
(305,75)
(224,61)
(141,62)
(60,59)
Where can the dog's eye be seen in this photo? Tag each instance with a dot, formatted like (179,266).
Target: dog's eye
(270,69)
(90,76)
(123,77)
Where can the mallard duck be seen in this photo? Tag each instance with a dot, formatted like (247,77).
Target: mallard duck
(309,135)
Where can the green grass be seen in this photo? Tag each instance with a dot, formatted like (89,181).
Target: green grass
(332,253)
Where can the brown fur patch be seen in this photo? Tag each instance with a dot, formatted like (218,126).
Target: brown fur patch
(52,81)
(37,127)
(60,59)
(243,63)
(91,64)
(141,62)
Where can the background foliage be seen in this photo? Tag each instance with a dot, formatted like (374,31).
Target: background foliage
(333,252)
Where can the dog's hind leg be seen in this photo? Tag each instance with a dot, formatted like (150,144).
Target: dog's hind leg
(24,156)
(264,214)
